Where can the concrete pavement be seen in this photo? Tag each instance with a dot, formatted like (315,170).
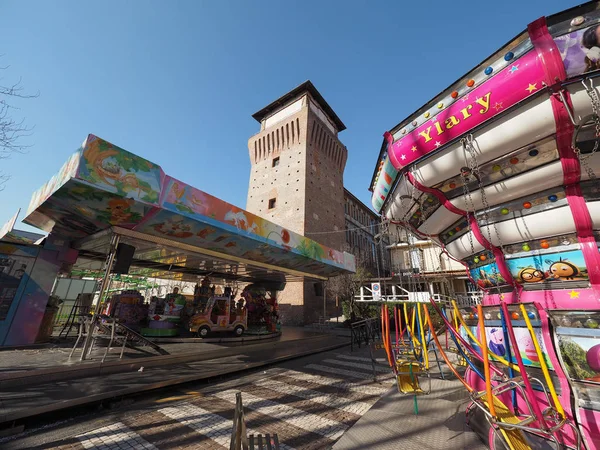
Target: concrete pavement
(320,401)
(27,393)
(391,423)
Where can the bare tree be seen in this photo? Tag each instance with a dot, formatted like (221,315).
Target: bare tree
(12,130)
(346,288)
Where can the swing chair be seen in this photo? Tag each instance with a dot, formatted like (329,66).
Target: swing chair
(547,422)
(411,357)
(412,361)
(508,422)
(503,418)
(550,420)
(412,346)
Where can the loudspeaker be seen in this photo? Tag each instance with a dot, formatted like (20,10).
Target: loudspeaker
(319,289)
(123,258)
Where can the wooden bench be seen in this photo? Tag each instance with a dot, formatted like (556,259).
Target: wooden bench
(239,434)
(266,442)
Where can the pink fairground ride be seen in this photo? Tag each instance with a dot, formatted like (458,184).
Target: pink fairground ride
(500,170)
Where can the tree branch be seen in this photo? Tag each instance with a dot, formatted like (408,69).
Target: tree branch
(12,130)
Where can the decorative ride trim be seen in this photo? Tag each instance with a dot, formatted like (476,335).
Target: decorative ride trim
(498,253)
(555,72)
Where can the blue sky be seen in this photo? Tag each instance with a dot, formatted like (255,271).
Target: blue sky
(177,82)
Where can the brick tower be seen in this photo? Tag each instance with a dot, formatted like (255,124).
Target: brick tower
(296,181)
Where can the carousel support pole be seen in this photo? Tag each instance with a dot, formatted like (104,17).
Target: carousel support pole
(324,302)
(103,287)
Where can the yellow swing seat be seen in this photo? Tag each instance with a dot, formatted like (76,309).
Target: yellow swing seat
(407,377)
(508,424)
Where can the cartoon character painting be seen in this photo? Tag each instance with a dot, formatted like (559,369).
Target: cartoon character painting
(238,218)
(580,50)
(564,270)
(487,276)
(531,275)
(529,350)
(121,171)
(174,227)
(563,266)
(497,342)
(120,210)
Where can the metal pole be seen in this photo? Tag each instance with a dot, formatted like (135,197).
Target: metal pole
(105,282)
(324,302)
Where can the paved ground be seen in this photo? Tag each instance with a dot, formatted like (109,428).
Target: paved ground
(24,397)
(391,423)
(57,354)
(310,403)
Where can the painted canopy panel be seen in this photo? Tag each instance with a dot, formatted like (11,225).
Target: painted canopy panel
(103,185)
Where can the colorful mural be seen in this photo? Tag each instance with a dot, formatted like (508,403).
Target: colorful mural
(67,171)
(580,50)
(497,344)
(191,202)
(384,180)
(561,266)
(104,185)
(500,346)
(116,170)
(101,207)
(487,276)
(581,356)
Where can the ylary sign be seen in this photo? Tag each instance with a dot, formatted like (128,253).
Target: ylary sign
(508,87)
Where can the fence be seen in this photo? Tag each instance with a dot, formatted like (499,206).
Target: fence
(399,294)
(67,289)
(364,332)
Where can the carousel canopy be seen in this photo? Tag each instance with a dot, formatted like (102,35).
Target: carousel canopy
(104,190)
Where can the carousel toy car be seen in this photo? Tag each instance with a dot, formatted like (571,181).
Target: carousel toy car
(220,314)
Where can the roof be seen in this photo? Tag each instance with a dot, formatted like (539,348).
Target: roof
(307,86)
(104,187)
(368,210)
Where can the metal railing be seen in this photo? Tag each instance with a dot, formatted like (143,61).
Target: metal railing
(364,332)
(399,294)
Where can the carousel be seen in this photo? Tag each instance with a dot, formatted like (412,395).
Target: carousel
(118,216)
(500,170)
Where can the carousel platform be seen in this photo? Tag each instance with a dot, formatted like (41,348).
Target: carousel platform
(46,381)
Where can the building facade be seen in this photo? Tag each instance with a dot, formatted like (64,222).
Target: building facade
(365,238)
(421,266)
(296,181)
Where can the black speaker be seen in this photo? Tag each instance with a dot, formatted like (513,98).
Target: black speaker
(123,258)
(319,289)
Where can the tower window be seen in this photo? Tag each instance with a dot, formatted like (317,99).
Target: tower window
(272,203)
(275,162)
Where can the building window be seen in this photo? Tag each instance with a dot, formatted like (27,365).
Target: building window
(272,203)
(275,162)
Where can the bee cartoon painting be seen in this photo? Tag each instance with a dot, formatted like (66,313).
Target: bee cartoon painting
(564,266)
(565,270)
(530,275)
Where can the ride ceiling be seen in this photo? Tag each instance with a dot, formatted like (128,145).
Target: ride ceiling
(104,190)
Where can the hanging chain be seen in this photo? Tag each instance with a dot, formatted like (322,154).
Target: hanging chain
(470,205)
(470,148)
(595,101)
